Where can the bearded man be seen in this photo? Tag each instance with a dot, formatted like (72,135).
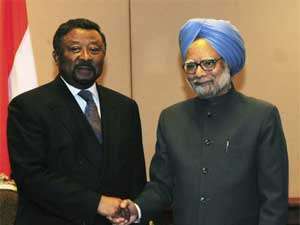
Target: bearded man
(221,157)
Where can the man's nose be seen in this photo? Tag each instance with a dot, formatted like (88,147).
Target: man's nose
(200,72)
(85,55)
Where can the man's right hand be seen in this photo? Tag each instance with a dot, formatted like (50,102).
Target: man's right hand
(108,206)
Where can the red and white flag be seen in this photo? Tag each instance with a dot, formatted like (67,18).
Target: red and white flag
(17,68)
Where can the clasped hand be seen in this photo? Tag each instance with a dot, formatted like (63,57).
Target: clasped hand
(118,211)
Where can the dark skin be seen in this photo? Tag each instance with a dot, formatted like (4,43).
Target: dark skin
(81,59)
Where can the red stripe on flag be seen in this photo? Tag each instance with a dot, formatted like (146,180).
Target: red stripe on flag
(13,24)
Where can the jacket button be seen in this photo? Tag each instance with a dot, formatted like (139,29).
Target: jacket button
(207,141)
(204,170)
(204,200)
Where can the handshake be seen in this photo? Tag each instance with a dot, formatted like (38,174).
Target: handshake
(118,211)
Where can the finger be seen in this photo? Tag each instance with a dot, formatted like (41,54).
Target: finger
(119,221)
(125,203)
(124,223)
(118,218)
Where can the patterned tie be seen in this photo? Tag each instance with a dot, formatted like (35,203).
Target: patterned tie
(91,113)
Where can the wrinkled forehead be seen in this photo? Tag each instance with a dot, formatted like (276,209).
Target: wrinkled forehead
(82,34)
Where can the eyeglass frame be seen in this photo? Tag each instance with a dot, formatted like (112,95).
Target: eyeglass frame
(200,64)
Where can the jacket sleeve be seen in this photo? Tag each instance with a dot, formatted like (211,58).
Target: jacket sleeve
(272,171)
(36,182)
(157,195)
(138,178)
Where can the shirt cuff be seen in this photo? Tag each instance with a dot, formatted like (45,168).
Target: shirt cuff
(139,214)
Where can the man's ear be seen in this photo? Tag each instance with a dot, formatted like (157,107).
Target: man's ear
(55,57)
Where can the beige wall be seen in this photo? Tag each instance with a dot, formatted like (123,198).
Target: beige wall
(113,16)
(143,57)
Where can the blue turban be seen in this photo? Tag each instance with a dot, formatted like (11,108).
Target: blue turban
(221,35)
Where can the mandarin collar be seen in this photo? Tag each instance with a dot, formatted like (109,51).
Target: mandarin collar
(217,100)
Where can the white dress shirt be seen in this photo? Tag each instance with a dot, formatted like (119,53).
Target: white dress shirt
(81,102)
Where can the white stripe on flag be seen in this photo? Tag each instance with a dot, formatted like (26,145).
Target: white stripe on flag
(23,73)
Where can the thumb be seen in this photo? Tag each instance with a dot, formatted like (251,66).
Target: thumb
(125,203)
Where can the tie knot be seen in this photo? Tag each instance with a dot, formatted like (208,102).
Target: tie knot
(86,95)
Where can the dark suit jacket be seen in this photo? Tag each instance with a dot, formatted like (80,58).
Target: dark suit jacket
(221,161)
(60,168)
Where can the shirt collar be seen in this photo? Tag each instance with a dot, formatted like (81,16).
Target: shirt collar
(75,90)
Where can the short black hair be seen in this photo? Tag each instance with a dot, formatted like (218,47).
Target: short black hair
(68,26)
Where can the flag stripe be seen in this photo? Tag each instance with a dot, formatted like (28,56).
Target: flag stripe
(20,81)
(13,25)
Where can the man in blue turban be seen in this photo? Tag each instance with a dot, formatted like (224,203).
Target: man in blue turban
(221,157)
(221,35)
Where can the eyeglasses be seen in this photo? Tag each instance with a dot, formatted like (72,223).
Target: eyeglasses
(191,66)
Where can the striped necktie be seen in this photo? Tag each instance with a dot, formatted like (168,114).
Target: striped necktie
(91,113)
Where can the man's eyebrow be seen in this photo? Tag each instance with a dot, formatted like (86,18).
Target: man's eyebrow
(96,42)
(72,42)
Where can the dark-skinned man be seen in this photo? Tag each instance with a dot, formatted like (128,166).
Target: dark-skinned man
(74,143)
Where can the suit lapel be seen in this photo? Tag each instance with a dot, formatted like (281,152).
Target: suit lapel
(67,111)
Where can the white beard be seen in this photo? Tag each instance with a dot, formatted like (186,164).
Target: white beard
(215,87)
